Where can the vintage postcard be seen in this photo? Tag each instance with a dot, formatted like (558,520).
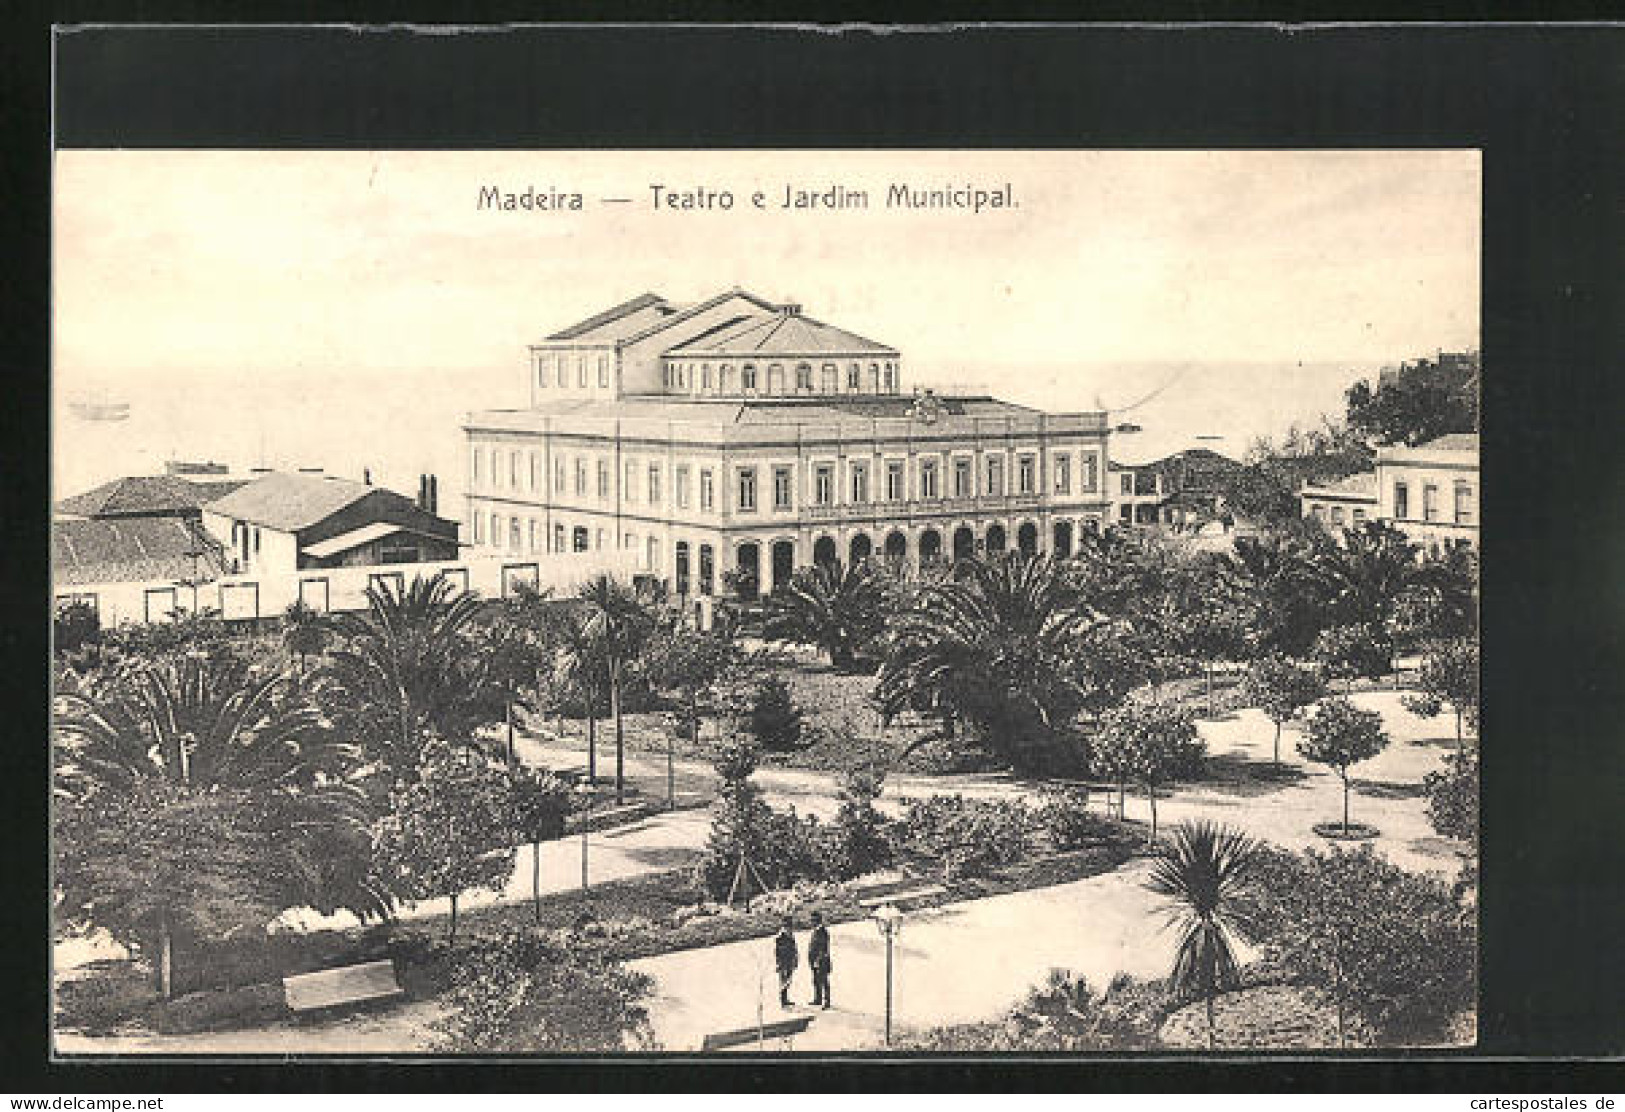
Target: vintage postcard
(695,601)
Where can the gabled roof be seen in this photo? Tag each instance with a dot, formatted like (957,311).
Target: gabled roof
(699,307)
(145,495)
(604,324)
(1361,483)
(785,333)
(1453,442)
(131,550)
(288,502)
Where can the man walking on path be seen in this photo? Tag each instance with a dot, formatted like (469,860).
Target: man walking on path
(786,958)
(818,960)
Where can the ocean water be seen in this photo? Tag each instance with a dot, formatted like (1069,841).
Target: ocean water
(401,426)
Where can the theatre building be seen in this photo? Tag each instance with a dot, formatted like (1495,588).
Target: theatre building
(741,436)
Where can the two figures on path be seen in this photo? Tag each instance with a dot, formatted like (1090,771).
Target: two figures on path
(786,956)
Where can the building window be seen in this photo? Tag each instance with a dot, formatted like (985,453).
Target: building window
(654,484)
(1464,504)
(781,488)
(829,377)
(705,377)
(581,370)
(928,478)
(535,535)
(747,377)
(599,539)
(891,378)
(563,377)
(1125,483)
(854,379)
(860,482)
(558,476)
(823,484)
(479,528)
(1337,515)
(603,370)
(1024,475)
(654,553)
(630,487)
(707,492)
(725,379)
(581,477)
(679,484)
(962,479)
(1318,512)
(1063,475)
(995,475)
(1359,514)
(1402,501)
(476,465)
(558,538)
(514,540)
(874,378)
(747,490)
(1091,472)
(803,378)
(513,470)
(578,538)
(775,378)
(1430,503)
(535,472)
(894,481)
(541,372)
(496,531)
(603,480)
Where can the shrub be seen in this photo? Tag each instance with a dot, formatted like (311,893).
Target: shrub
(1353,652)
(76,626)
(1062,1013)
(1064,814)
(967,837)
(1453,798)
(859,834)
(526,992)
(1341,735)
(775,720)
(776,848)
(250,1006)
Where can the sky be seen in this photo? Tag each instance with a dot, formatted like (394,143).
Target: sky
(343,309)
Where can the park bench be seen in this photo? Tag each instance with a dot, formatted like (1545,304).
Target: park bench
(347,986)
(921,893)
(783,1029)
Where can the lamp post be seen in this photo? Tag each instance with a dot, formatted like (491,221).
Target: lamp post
(584,792)
(889,921)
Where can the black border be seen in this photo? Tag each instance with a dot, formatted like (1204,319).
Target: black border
(1545,105)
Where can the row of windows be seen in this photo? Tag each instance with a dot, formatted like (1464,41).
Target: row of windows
(560,369)
(1335,514)
(702,378)
(594,476)
(1430,502)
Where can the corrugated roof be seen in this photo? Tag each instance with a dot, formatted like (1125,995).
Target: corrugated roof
(131,550)
(355,538)
(145,494)
(288,502)
(785,333)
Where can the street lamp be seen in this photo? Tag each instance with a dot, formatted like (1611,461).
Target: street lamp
(889,921)
(584,792)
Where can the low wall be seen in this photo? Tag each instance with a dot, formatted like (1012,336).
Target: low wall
(334,590)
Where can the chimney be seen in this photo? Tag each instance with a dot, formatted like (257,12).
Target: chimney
(366,475)
(790,309)
(434,494)
(423,492)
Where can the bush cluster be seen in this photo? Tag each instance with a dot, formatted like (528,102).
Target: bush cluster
(967,837)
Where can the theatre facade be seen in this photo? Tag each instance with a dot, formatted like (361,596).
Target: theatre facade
(730,442)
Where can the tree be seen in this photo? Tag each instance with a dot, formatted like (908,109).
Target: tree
(530,993)
(1448,677)
(448,829)
(405,668)
(841,609)
(1441,601)
(1281,688)
(1452,796)
(1342,735)
(1217,613)
(1205,872)
(511,655)
(617,624)
(197,750)
(1368,574)
(860,829)
(1396,949)
(993,645)
(304,632)
(1289,596)
(1265,487)
(775,720)
(1150,743)
(1422,400)
(541,806)
(76,626)
(688,664)
(1353,652)
(579,674)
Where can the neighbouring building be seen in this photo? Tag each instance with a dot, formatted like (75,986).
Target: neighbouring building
(729,442)
(284,521)
(169,553)
(1429,492)
(147,496)
(1183,491)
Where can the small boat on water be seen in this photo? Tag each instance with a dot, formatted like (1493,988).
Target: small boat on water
(99,409)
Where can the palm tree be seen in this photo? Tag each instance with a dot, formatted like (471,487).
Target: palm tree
(1204,869)
(185,728)
(992,645)
(838,608)
(617,625)
(409,660)
(304,632)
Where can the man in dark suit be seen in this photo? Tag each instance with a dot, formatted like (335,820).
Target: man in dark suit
(786,957)
(818,960)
